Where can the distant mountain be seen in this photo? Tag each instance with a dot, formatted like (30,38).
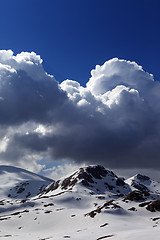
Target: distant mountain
(92,203)
(144,183)
(19,183)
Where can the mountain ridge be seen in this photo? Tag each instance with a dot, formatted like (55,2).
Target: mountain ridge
(20,183)
(91,203)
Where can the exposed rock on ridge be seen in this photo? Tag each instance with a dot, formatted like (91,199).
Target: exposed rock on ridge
(96,178)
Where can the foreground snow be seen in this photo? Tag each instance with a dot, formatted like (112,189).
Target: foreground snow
(70,209)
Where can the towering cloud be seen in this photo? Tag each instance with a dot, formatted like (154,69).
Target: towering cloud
(114,120)
(26,91)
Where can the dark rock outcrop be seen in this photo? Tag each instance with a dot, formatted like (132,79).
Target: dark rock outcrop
(139,186)
(107,205)
(142,177)
(137,196)
(154,206)
(120,182)
(97,172)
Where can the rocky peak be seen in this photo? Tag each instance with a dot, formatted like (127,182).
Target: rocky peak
(95,178)
(91,174)
(141,182)
(98,172)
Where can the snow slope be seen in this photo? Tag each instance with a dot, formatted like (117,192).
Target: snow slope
(144,183)
(91,204)
(19,183)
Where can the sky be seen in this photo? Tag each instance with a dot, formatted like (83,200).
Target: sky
(79,34)
(72,89)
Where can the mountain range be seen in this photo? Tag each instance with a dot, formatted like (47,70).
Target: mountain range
(92,203)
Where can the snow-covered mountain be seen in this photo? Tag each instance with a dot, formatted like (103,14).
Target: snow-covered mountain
(92,203)
(144,183)
(92,178)
(20,183)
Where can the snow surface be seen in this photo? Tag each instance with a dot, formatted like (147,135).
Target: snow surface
(20,183)
(75,211)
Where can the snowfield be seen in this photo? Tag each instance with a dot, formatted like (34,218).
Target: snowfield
(92,203)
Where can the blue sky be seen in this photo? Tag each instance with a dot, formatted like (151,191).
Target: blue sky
(72,36)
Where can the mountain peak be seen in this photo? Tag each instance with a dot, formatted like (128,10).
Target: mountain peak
(20,183)
(95,178)
(98,171)
(143,183)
